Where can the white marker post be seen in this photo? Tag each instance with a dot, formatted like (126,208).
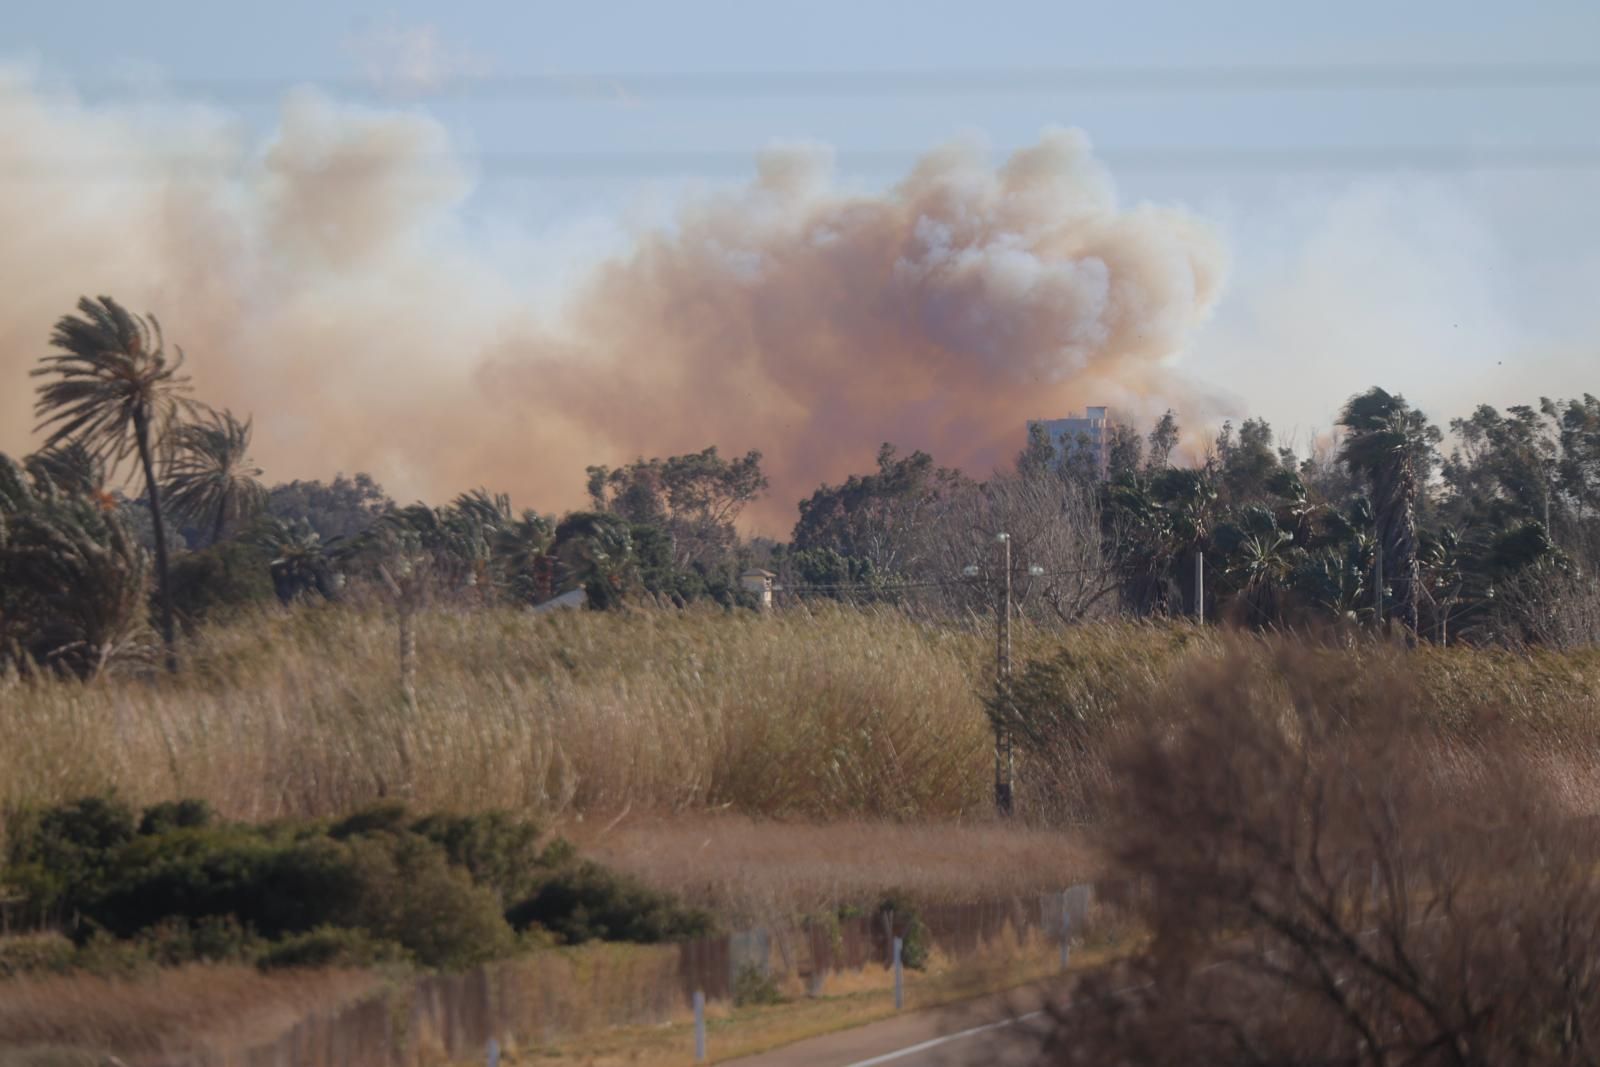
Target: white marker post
(494,1053)
(699,1027)
(899,979)
(1066,932)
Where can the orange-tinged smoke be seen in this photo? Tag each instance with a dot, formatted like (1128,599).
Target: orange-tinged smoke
(321,282)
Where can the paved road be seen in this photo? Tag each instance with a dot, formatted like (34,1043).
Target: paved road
(1008,1030)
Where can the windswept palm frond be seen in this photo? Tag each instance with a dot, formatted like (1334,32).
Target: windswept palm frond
(72,468)
(211,478)
(73,579)
(109,374)
(109,388)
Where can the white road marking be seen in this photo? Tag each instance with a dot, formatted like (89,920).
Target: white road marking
(911,1050)
(962,1035)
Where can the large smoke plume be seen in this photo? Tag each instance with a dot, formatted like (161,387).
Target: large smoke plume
(323,281)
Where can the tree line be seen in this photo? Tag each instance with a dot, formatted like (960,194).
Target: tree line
(1492,540)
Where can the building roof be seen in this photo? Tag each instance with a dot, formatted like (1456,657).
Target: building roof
(756,572)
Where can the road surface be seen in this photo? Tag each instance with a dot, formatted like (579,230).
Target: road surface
(1008,1030)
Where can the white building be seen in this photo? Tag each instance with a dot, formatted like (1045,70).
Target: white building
(1092,431)
(759,582)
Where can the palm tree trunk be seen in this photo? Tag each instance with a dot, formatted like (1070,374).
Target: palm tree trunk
(222,519)
(169,636)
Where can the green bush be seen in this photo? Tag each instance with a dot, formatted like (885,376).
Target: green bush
(35,954)
(587,902)
(330,946)
(906,920)
(211,939)
(390,817)
(375,885)
(752,985)
(272,886)
(226,577)
(62,857)
(176,815)
(409,893)
(499,850)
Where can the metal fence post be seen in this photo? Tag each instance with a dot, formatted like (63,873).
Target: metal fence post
(699,1027)
(1066,932)
(899,978)
(494,1053)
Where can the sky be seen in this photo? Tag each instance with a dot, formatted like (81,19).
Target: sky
(1353,259)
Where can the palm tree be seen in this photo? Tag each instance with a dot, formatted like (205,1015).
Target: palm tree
(73,469)
(73,591)
(522,557)
(211,478)
(596,554)
(1391,445)
(299,560)
(112,389)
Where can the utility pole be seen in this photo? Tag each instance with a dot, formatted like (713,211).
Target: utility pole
(1004,758)
(1003,763)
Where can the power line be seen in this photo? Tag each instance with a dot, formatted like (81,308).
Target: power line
(736,163)
(630,86)
(979,583)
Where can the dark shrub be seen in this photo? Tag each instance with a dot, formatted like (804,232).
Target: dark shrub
(35,954)
(176,815)
(390,817)
(399,887)
(752,985)
(558,853)
(499,850)
(273,887)
(330,946)
(903,917)
(222,578)
(409,893)
(587,902)
(61,857)
(212,939)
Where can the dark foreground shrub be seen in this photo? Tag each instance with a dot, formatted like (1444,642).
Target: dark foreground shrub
(226,577)
(35,954)
(1328,878)
(408,892)
(330,946)
(754,986)
(587,902)
(379,882)
(499,850)
(176,815)
(61,857)
(272,886)
(902,916)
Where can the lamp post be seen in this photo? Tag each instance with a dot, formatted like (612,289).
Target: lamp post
(1004,760)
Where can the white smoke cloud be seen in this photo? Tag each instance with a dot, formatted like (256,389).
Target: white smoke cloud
(321,280)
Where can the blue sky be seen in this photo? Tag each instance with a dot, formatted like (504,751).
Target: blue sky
(1454,286)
